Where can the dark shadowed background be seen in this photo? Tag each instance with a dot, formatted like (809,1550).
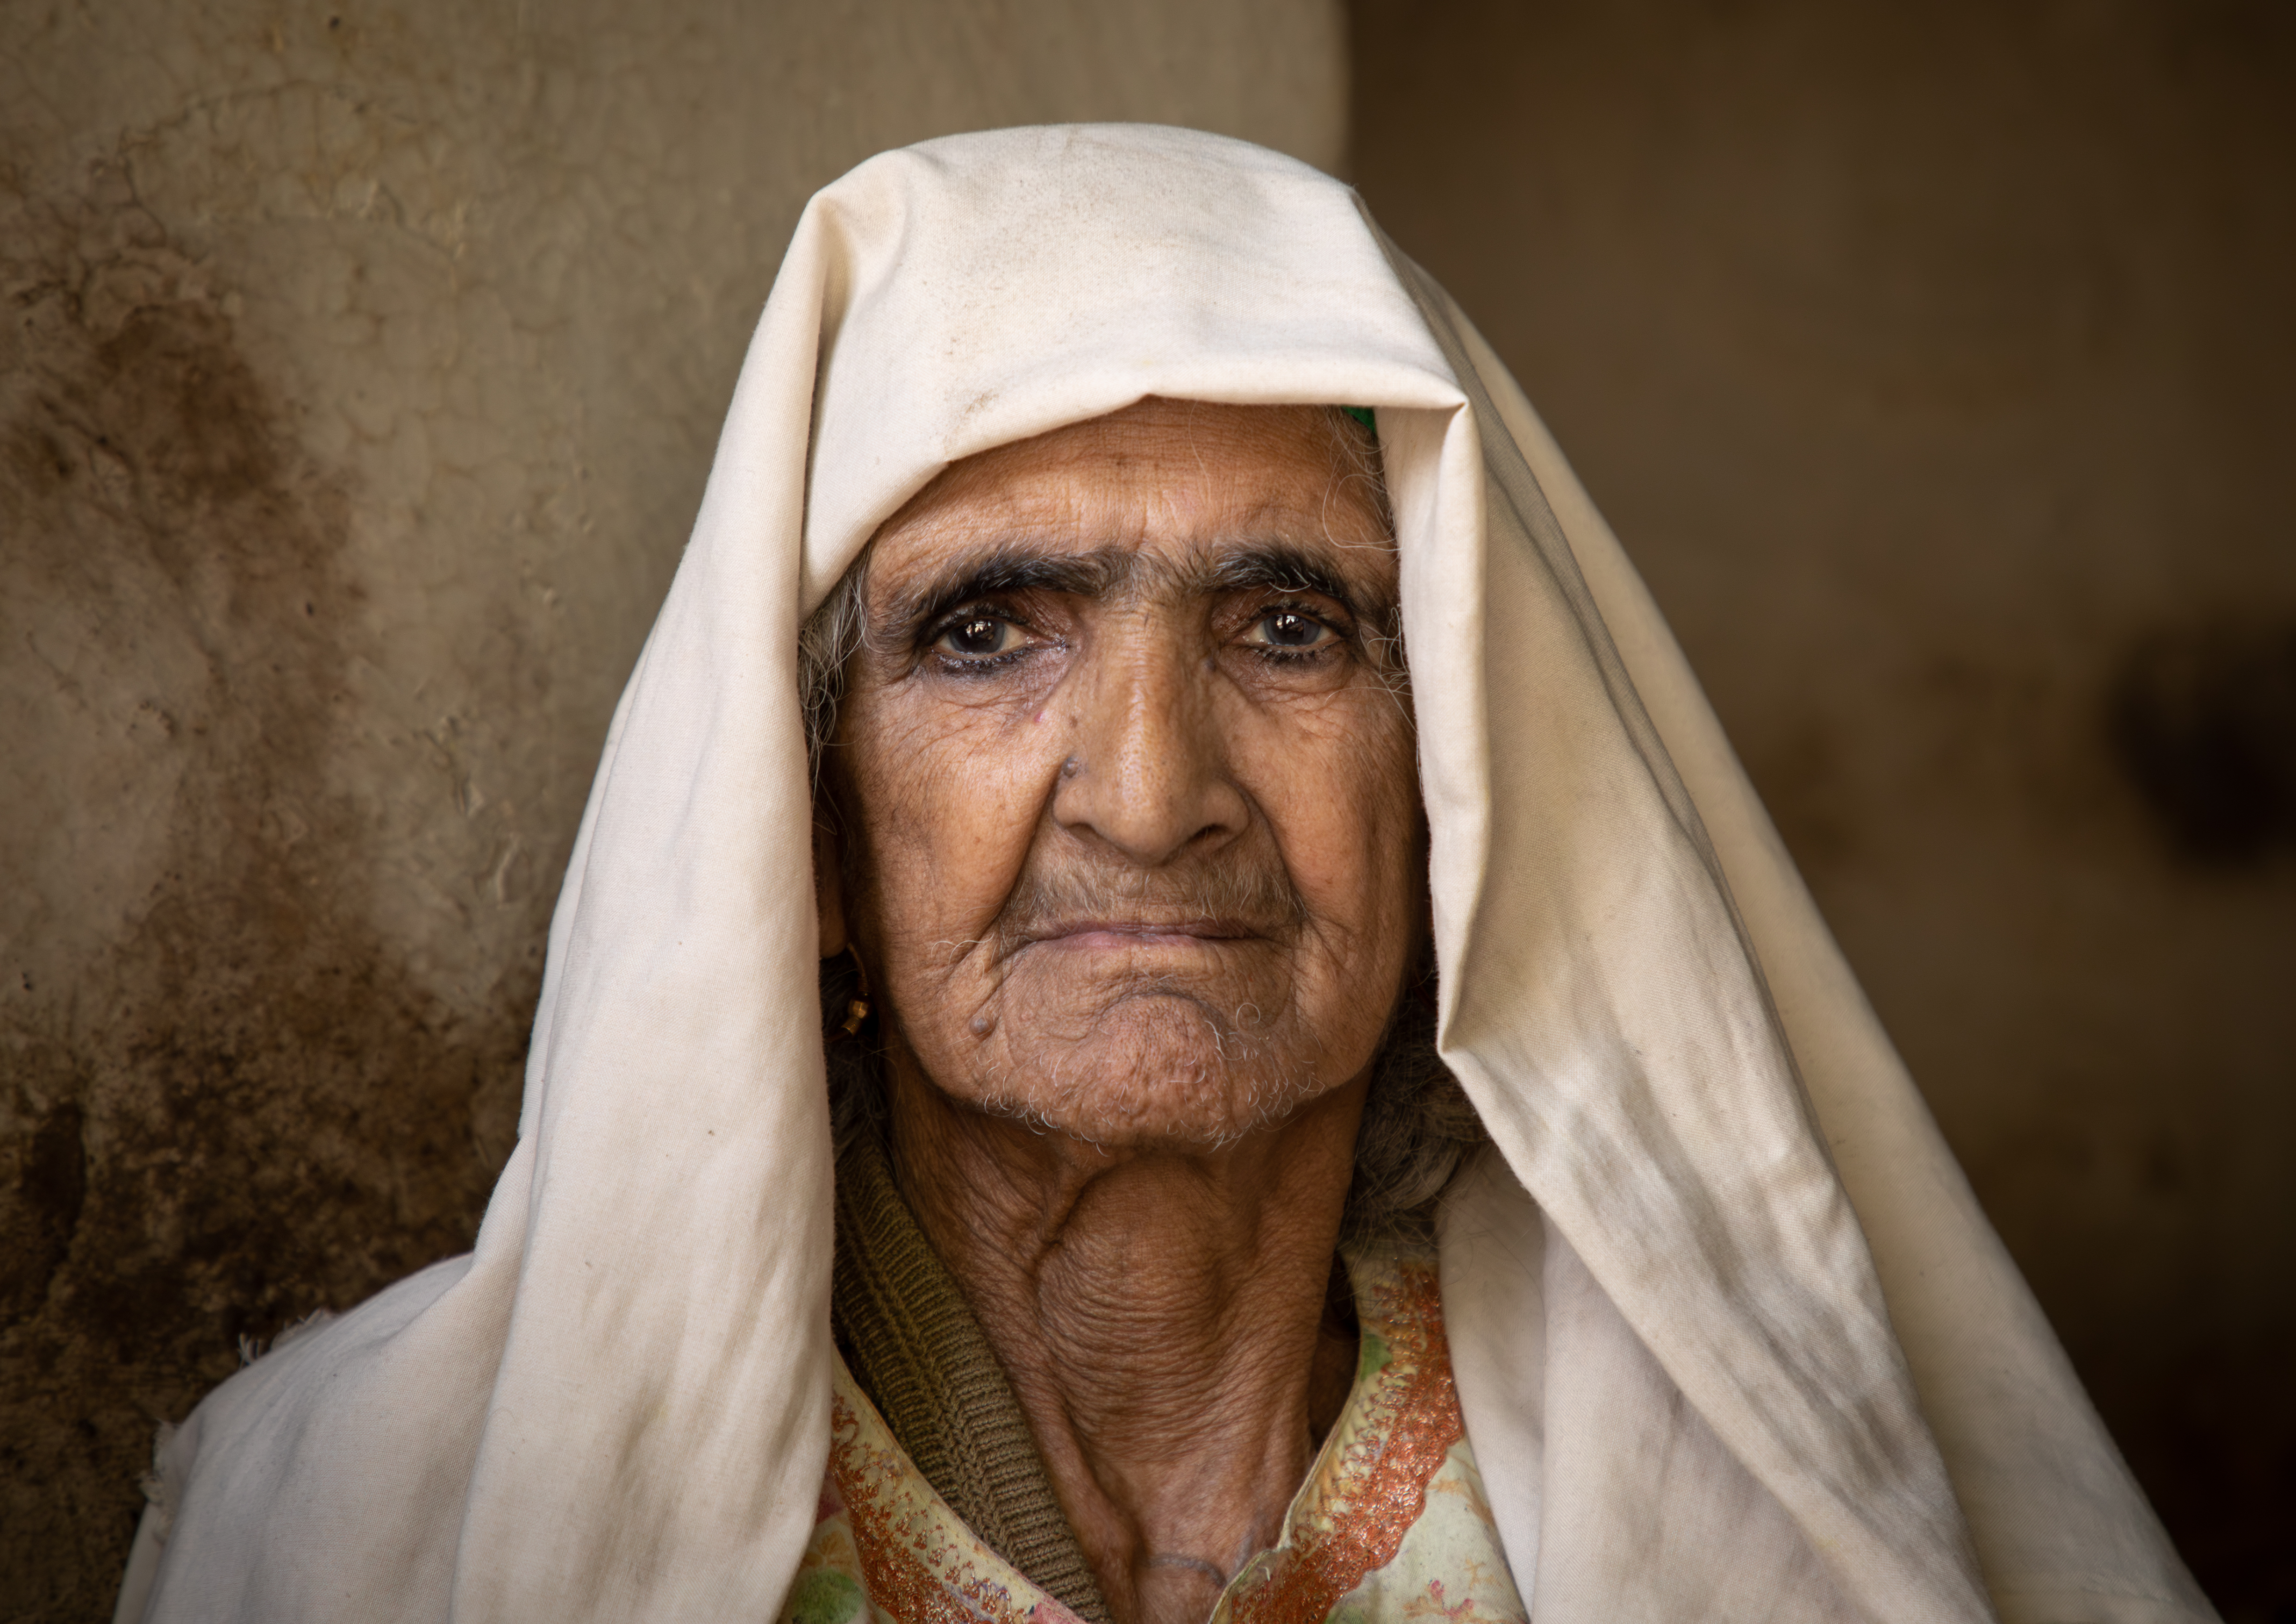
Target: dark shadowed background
(1938,366)
(360,371)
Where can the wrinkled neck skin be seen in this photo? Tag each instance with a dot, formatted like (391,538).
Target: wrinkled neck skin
(1160,1314)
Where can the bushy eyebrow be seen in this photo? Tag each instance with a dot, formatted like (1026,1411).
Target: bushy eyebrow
(1015,566)
(1010,566)
(1279,567)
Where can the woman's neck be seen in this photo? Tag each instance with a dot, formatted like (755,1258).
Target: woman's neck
(1161,1314)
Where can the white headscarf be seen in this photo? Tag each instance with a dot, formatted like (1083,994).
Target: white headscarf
(1732,1337)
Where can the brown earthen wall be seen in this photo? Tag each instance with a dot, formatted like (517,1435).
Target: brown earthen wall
(359,369)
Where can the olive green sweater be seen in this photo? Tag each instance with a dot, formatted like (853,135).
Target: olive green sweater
(913,1344)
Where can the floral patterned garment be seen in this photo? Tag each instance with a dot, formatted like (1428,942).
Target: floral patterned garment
(1390,1526)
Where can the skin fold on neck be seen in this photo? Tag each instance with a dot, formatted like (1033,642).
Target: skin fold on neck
(1161,1316)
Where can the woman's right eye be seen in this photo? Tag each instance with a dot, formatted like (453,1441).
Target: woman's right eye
(978,638)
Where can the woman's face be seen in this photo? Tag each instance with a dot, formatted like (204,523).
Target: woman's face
(1124,775)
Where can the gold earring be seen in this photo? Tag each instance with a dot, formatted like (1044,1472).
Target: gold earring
(857,1010)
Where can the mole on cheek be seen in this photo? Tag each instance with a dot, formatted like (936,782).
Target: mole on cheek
(982,1024)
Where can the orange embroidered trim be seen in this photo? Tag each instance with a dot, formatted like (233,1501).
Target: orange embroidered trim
(1378,1488)
(917,1564)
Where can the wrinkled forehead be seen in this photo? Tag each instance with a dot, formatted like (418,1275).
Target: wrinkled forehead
(984,292)
(1164,498)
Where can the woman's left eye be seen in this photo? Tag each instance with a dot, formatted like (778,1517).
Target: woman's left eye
(978,638)
(1289,630)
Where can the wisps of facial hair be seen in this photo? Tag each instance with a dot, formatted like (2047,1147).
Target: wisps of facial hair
(1254,898)
(1251,897)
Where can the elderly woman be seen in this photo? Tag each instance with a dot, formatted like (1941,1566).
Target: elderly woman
(1337,1105)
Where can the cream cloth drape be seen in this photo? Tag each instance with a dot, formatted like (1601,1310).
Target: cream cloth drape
(1732,1339)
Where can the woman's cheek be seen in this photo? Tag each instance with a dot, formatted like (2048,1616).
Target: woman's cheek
(961,812)
(1354,824)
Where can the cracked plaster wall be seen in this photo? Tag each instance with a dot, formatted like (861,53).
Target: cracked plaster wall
(360,368)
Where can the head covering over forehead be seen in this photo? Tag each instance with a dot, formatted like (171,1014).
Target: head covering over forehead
(1731,1336)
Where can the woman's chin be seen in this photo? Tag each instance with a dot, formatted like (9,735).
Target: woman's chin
(1177,1090)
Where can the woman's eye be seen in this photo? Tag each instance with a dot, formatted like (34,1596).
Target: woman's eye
(978,638)
(1289,629)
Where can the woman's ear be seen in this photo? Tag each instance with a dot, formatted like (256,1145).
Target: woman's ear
(828,889)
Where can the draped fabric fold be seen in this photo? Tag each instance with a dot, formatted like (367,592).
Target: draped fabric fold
(1731,1335)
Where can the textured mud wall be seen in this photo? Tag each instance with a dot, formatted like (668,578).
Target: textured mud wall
(359,370)
(1936,364)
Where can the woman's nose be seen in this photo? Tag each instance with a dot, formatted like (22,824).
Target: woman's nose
(1146,772)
